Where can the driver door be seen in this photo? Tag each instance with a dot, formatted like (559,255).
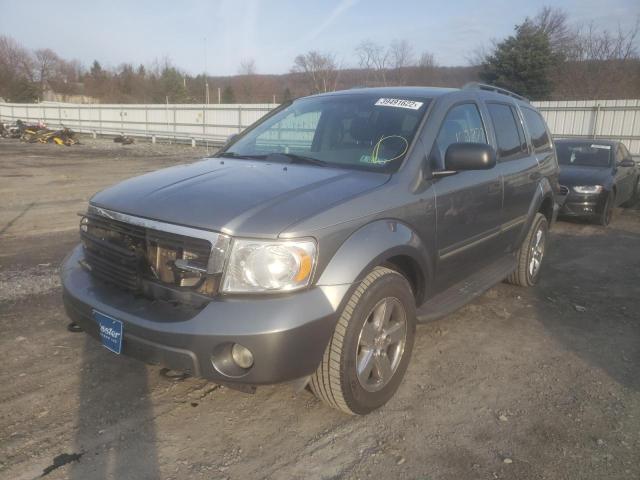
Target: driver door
(468,203)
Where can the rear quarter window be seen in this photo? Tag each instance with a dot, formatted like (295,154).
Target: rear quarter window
(510,138)
(537,129)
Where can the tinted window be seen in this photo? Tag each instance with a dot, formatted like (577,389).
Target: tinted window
(584,154)
(351,131)
(536,126)
(462,124)
(506,128)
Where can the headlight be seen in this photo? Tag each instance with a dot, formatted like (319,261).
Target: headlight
(268,266)
(588,189)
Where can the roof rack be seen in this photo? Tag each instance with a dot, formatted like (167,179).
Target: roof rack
(492,88)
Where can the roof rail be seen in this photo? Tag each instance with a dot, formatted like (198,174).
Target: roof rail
(492,88)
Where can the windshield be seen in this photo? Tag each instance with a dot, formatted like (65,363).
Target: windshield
(583,154)
(350,131)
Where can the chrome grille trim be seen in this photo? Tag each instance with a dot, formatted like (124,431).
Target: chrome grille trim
(219,241)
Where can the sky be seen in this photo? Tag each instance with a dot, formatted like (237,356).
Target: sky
(273,32)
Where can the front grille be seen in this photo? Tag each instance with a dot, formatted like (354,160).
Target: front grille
(564,190)
(128,255)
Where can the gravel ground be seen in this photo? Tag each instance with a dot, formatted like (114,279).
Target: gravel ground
(540,383)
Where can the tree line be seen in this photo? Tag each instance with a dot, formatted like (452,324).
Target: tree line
(546,57)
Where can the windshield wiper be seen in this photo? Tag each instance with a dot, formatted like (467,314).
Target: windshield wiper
(294,157)
(237,155)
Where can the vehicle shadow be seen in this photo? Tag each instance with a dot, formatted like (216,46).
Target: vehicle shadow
(588,295)
(22,213)
(115,424)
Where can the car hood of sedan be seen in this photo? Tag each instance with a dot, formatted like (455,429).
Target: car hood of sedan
(571,175)
(238,197)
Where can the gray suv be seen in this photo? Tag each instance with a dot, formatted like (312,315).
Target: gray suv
(307,249)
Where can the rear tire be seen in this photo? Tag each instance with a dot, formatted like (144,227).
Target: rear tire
(531,253)
(368,354)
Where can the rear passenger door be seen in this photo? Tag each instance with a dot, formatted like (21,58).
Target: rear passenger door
(519,169)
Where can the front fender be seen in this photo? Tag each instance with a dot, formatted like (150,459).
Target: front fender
(372,245)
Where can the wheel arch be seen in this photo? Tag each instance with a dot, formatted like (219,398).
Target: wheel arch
(544,202)
(386,242)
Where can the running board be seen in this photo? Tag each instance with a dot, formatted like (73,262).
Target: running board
(463,292)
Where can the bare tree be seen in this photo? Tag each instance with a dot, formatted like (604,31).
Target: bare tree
(603,64)
(248,80)
(554,23)
(16,71)
(426,68)
(427,60)
(402,57)
(247,67)
(374,59)
(14,59)
(320,69)
(46,63)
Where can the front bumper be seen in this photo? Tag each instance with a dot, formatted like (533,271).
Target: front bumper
(287,334)
(583,205)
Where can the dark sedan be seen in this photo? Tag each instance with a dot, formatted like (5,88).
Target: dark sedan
(596,176)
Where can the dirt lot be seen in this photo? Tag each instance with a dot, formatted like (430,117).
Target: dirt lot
(521,384)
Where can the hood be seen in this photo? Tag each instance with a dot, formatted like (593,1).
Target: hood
(571,175)
(238,197)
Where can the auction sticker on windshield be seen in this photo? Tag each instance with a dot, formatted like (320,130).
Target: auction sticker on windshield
(399,103)
(110,331)
(603,147)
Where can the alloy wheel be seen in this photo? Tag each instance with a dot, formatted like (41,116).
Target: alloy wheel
(381,344)
(536,253)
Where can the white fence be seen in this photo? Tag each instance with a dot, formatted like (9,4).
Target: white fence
(177,121)
(616,119)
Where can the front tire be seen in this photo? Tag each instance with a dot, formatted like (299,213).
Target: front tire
(531,253)
(606,215)
(634,196)
(368,354)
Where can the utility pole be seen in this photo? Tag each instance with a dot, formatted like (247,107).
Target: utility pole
(206,76)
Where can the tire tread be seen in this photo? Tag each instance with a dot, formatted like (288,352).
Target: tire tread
(519,276)
(326,382)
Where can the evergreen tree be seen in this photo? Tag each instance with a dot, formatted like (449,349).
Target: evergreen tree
(228,96)
(522,63)
(172,85)
(23,91)
(96,70)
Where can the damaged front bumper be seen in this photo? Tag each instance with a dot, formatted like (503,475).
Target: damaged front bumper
(287,334)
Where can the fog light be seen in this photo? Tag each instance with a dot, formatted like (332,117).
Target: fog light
(242,356)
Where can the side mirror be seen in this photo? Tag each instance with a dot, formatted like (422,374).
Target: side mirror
(467,156)
(627,162)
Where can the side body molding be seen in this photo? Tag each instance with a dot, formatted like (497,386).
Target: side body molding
(371,245)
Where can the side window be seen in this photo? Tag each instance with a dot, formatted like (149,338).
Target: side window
(505,124)
(462,124)
(535,124)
